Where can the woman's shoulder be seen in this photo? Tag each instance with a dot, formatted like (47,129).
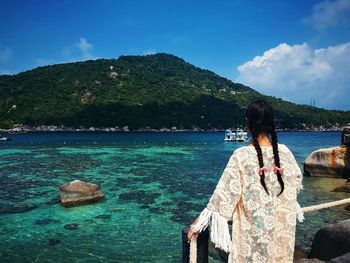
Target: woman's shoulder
(247,148)
(242,151)
(283,147)
(250,146)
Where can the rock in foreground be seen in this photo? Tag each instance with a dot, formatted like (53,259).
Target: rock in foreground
(308,260)
(331,241)
(79,192)
(330,162)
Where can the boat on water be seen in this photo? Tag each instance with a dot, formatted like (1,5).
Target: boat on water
(237,135)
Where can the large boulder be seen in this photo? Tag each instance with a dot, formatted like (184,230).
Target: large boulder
(308,260)
(345,136)
(330,162)
(341,259)
(79,192)
(331,241)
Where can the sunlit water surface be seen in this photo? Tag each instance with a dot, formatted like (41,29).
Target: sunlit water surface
(154,183)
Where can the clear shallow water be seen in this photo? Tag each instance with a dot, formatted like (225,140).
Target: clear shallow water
(154,183)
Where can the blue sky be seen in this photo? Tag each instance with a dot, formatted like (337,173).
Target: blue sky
(295,49)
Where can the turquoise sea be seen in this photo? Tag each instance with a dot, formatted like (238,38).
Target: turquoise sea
(154,183)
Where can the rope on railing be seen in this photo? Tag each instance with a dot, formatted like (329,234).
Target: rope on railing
(315,208)
(308,209)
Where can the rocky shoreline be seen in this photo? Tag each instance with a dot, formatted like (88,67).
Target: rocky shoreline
(21,128)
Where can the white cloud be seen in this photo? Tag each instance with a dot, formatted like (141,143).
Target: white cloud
(78,51)
(5,54)
(299,73)
(327,14)
(85,47)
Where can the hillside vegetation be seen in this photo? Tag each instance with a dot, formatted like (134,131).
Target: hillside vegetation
(153,91)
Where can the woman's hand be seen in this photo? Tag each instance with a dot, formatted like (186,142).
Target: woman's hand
(191,234)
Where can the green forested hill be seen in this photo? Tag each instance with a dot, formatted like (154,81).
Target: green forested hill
(157,91)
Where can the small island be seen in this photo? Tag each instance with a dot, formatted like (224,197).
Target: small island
(158,92)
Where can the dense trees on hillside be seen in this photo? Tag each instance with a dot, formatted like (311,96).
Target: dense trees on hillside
(158,91)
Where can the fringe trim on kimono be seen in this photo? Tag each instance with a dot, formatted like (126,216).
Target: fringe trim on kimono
(219,230)
(300,213)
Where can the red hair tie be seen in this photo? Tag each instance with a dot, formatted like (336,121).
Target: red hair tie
(262,169)
(277,169)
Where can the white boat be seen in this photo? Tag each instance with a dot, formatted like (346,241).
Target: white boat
(237,135)
(5,138)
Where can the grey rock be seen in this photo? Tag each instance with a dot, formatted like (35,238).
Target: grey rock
(331,241)
(308,260)
(341,259)
(345,136)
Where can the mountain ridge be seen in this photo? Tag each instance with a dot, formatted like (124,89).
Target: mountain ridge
(155,91)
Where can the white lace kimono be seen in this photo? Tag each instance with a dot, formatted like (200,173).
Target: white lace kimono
(263,226)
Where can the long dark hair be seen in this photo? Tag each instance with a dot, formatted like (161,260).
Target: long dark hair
(260,120)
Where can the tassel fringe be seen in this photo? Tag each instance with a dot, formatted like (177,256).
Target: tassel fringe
(202,221)
(219,232)
(300,213)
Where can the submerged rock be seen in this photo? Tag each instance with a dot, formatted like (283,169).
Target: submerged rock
(71,226)
(17,208)
(347,208)
(343,188)
(142,197)
(79,192)
(330,162)
(54,242)
(103,216)
(331,241)
(45,221)
(53,201)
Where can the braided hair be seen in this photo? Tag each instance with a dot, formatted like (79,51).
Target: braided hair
(260,120)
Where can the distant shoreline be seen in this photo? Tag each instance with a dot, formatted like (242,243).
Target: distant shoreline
(18,129)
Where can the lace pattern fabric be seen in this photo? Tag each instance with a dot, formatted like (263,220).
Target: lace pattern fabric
(263,226)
